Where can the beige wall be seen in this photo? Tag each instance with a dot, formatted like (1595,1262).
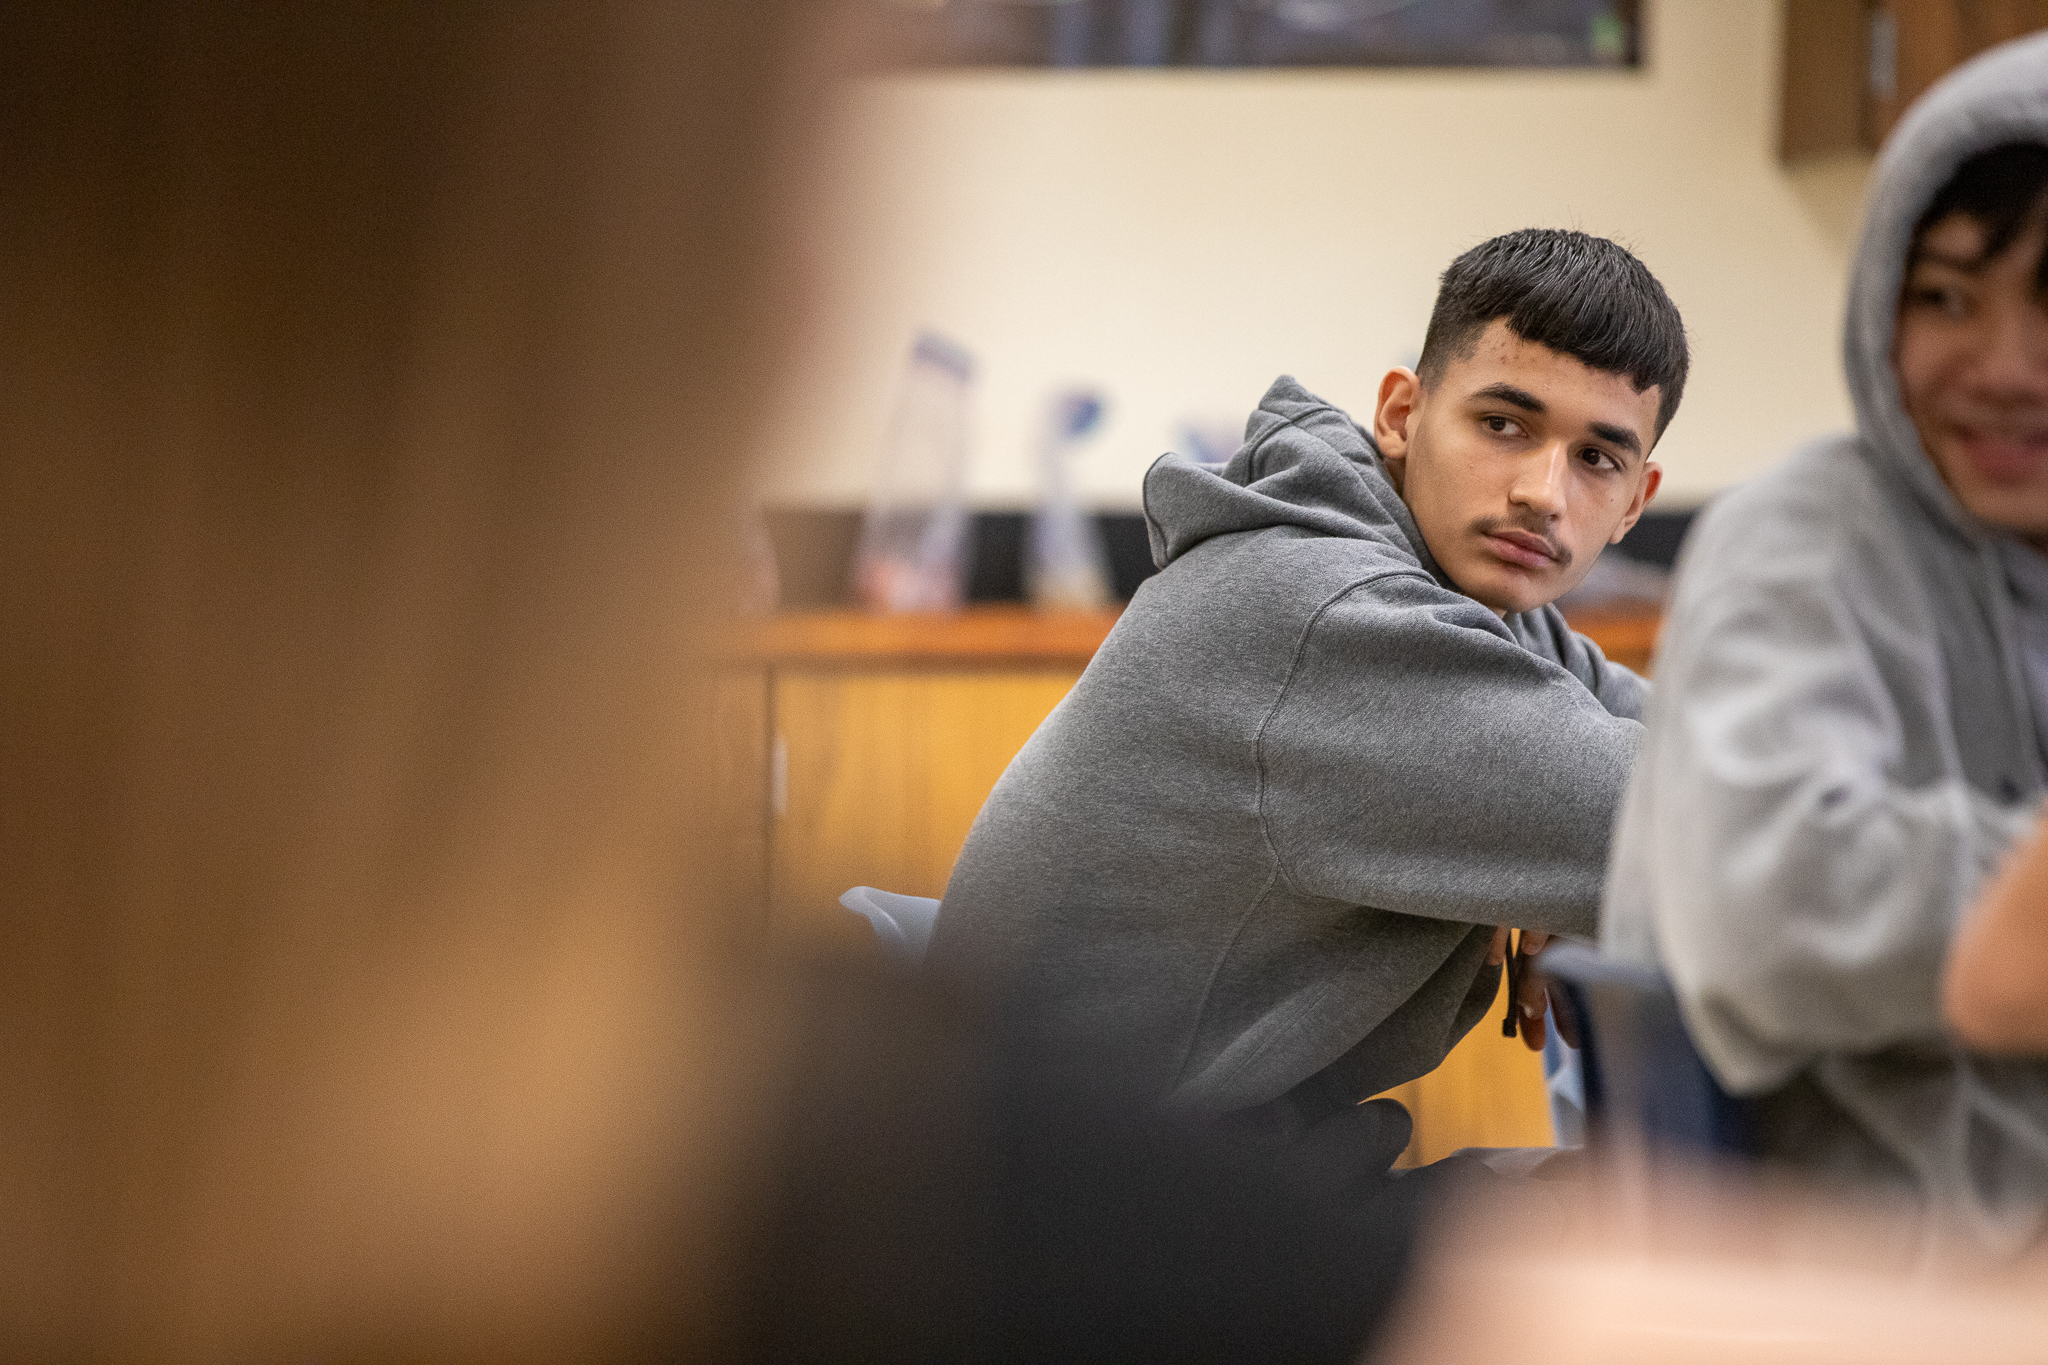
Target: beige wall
(1181,237)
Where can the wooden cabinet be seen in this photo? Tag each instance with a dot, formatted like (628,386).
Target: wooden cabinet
(880,739)
(1853,66)
(875,740)
(879,774)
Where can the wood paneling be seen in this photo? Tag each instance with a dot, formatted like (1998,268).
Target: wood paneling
(1627,636)
(883,772)
(982,635)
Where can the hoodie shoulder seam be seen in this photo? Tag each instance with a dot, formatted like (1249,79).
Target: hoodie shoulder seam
(1308,630)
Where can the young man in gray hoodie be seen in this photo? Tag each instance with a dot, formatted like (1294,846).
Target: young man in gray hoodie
(1262,848)
(1852,685)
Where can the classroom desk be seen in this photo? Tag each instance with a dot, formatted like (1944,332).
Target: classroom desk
(862,746)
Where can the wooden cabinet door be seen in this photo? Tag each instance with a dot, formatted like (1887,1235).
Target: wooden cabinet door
(877,776)
(1487,1093)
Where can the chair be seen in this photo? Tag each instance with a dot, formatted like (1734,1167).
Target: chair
(902,924)
(1564,1085)
(1645,1085)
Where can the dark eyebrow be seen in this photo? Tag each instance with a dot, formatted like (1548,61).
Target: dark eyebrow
(1968,265)
(1529,402)
(1509,394)
(1615,435)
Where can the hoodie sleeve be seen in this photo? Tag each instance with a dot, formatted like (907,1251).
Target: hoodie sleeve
(1420,760)
(1784,853)
(1620,690)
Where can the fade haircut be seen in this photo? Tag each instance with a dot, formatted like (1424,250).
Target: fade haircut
(2003,189)
(1581,296)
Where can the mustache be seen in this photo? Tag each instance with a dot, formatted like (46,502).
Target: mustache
(1488,526)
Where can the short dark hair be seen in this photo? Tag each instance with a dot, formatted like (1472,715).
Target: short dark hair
(2003,188)
(1580,295)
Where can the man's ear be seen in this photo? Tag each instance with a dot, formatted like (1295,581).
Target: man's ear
(1653,474)
(1400,394)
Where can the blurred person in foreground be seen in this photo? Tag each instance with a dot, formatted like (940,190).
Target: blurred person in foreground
(1271,840)
(1853,698)
(360,501)
(370,987)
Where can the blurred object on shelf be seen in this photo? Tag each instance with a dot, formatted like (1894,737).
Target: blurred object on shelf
(814,549)
(1064,565)
(1210,440)
(913,552)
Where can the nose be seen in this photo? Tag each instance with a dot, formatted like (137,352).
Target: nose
(2013,362)
(1540,480)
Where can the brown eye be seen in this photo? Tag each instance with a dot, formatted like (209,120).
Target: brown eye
(1949,302)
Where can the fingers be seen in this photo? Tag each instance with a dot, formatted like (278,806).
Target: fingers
(1532,997)
(1533,941)
(1497,951)
(1566,1021)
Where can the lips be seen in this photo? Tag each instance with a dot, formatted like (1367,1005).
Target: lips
(2005,455)
(1522,548)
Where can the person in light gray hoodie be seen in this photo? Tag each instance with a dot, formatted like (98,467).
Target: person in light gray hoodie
(1262,847)
(1848,731)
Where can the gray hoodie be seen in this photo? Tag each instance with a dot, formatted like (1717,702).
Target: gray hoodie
(1844,743)
(1264,836)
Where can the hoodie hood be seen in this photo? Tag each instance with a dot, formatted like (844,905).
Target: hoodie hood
(2000,97)
(1333,484)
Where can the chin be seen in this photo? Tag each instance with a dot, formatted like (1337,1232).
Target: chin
(2019,506)
(2023,517)
(1508,597)
(2021,511)
(1502,587)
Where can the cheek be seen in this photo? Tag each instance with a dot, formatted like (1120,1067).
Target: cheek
(1596,516)
(1922,360)
(1462,475)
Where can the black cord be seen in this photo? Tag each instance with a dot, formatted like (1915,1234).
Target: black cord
(1513,973)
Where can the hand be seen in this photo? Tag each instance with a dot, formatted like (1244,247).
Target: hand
(1533,942)
(1536,997)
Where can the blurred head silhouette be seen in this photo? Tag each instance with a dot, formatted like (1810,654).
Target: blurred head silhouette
(368,376)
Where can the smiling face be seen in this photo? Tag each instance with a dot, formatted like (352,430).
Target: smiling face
(1519,464)
(1971,353)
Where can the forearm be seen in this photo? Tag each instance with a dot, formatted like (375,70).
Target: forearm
(1995,986)
(1805,929)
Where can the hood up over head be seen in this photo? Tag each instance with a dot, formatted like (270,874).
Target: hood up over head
(2000,97)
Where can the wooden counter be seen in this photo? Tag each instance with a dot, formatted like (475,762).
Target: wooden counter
(997,636)
(980,636)
(866,744)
